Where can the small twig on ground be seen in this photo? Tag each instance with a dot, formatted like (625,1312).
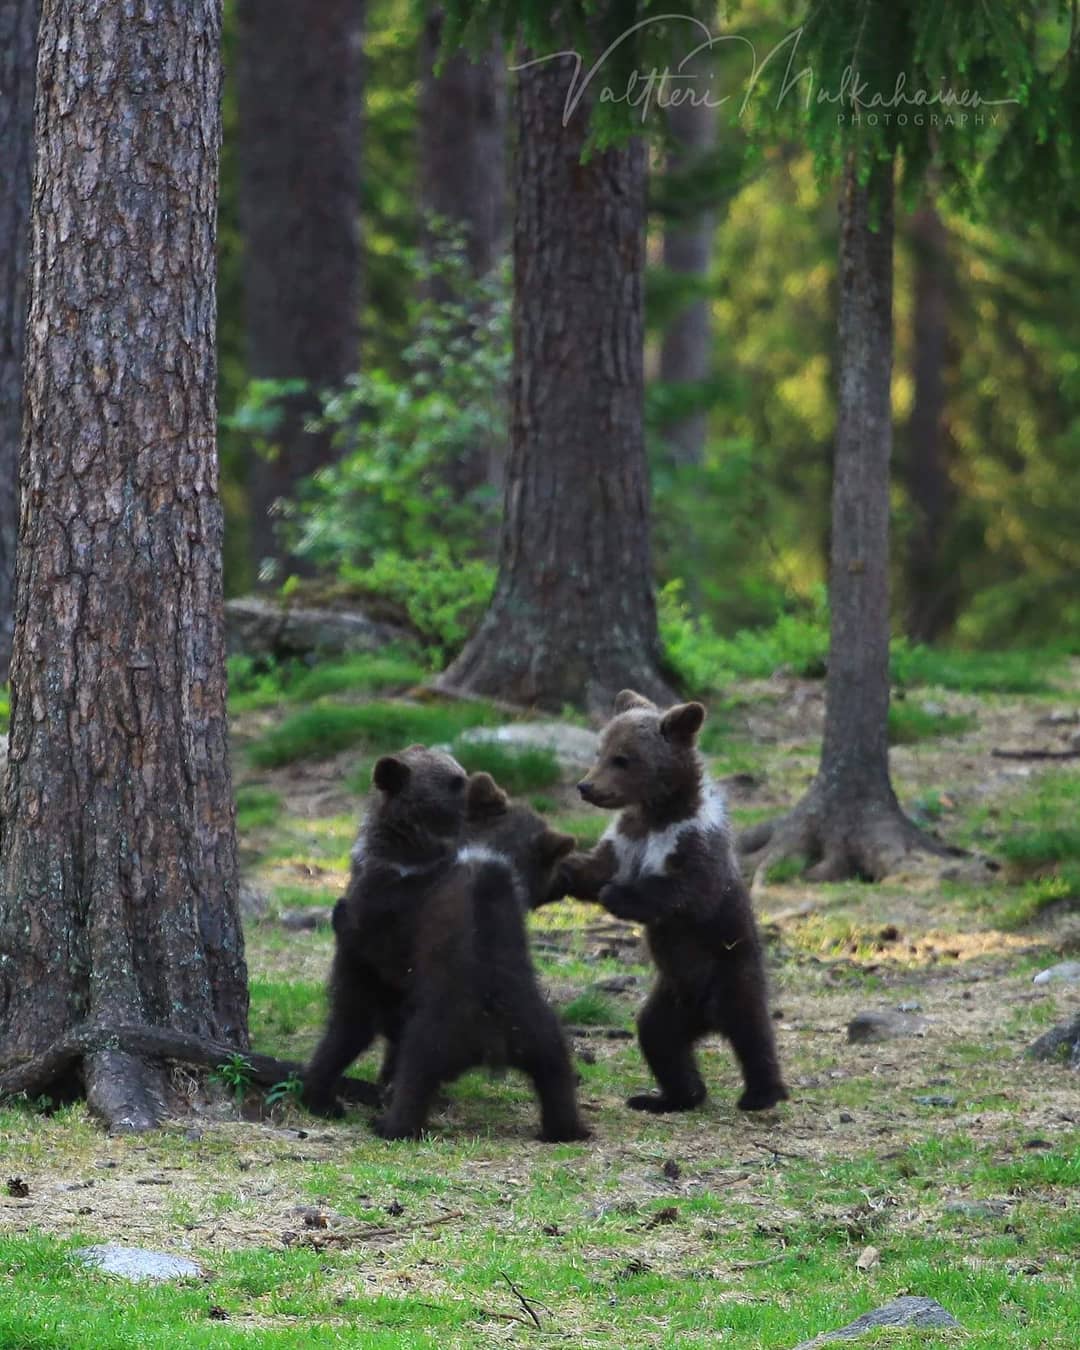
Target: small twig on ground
(526,1303)
(1000,753)
(753,1265)
(778,1152)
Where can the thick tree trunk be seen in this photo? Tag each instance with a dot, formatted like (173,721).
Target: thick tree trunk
(931,591)
(18,41)
(299,106)
(686,352)
(573,619)
(463,181)
(850,822)
(118,900)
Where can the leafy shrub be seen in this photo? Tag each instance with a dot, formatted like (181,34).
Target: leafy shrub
(363,673)
(589,1009)
(971,672)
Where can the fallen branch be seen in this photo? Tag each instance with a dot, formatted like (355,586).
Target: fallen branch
(526,1303)
(999,753)
(36,1075)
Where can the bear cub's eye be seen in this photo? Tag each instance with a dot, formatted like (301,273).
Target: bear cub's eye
(620,762)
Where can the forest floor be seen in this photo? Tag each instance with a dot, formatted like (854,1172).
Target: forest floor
(943,1164)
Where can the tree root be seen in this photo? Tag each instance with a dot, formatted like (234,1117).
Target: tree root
(125,1091)
(869,842)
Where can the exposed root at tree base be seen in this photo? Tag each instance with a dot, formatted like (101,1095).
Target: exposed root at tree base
(121,1070)
(867,844)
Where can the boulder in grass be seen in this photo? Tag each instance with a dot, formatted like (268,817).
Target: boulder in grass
(907,1311)
(258,626)
(884,1025)
(574,747)
(138,1263)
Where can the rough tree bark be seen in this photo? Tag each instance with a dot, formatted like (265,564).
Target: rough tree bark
(118,894)
(18,40)
(930,587)
(299,107)
(573,618)
(463,181)
(686,352)
(850,823)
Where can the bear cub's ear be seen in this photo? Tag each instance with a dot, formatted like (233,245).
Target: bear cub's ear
(390,774)
(484,798)
(627,699)
(554,846)
(683,722)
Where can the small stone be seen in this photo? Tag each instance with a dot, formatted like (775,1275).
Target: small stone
(672,1170)
(884,1026)
(846,1118)
(137,1263)
(936,1099)
(311,916)
(909,1007)
(978,1209)
(17,1188)
(907,1311)
(573,746)
(869,1257)
(1066,972)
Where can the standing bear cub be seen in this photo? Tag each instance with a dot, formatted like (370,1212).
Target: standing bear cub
(667,862)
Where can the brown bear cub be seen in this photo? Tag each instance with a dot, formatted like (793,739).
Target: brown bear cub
(474,999)
(431,950)
(667,862)
(407,844)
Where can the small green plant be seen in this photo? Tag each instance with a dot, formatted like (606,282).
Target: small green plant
(912,722)
(589,1009)
(785,869)
(235,1073)
(1060,888)
(287,1092)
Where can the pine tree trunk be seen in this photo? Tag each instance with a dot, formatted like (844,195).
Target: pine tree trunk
(299,106)
(118,901)
(18,43)
(686,353)
(463,130)
(463,144)
(850,822)
(931,592)
(573,618)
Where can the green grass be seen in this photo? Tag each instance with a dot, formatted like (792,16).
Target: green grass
(786,869)
(257,808)
(324,729)
(1040,894)
(1019,672)
(1040,828)
(517,769)
(259,682)
(911,722)
(590,1008)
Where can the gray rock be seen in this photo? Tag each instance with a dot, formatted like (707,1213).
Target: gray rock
(885,1025)
(906,1311)
(311,916)
(977,1209)
(573,746)
(909,1007)
(1060,1044)
(1066,972)
(253,902)
(936,1099)
(258,626)
(137,1263)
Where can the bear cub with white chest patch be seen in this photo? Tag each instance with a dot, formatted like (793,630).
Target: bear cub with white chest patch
(667,862)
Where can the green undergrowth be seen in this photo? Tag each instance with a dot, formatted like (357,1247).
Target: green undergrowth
(257,682)
(256,807)
(1042,826)
(912,722)
(325,729)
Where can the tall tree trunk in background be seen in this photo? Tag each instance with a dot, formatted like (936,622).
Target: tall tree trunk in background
(686,352)
(118,901)
(18,41)
(850,822)
(463,144)
(930,590)
(573,618)
(299,103)
(463,180)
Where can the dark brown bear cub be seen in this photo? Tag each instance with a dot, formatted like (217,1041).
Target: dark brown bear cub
(407,844)
(474,998)
(667,862)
